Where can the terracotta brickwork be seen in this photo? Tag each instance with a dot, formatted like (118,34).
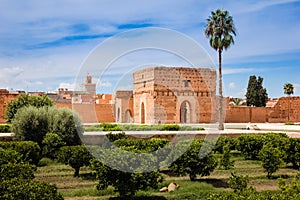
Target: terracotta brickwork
(174,95)
(123,104)
(5,98)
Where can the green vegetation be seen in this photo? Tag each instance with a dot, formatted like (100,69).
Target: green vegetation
(5,128)
(16,179)
(99,180)
(288,89)
(31,123)
(271,159)
(75,156)
(220,30)
(256,94)
(24,100)
(28,151)
(135,127)
(191,162)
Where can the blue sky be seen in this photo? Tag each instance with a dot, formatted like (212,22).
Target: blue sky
(43,44)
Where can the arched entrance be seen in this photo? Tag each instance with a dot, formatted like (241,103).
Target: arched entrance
(142,113)
(128,116)
(185,112)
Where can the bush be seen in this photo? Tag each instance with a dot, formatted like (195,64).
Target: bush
(250,145)
(125,183)
(222,141)
(30,123)
(170,127)
(9,156)
(5,128)
(271,159)
(225,161)
(52,142)
(75,156)
(28,190)
(33,124)
(17,170)
(238,183)
(191,162)
(293,152)
(66,123)
(29,151)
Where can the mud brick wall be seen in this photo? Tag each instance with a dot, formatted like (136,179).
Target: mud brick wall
(166,91)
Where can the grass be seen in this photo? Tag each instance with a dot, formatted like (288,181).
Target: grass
(84,187)
(143,127)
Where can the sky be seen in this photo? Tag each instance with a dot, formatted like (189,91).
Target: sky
(45,44)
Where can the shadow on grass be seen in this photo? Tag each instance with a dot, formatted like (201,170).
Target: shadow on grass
(88,176)
(139,198)
(217,183)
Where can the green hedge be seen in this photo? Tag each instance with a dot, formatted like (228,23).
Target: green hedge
(29,150)
(5,128)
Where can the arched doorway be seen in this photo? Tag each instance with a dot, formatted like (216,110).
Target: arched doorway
(185,112)
(128,116)
(142,113)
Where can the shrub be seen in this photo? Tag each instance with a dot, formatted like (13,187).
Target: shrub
(170,127)
(293,152)
(28,190)
(222,141)
(52,142)
(191,162)
(33,124)
(66,123)
(29,151)
(9,156)
(5,128)
(17,170)
(125,183)
(75,156)
(225,161)
(271,159)
(250,145)
(30,123)
(238,183)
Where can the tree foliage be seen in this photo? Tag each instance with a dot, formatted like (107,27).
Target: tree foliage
(28,190)
(293,152)
(52,142)
(288,89)
(75,156)
(31,123)
(220,30)
(271,159)
(66,123)
(256,94)
(238,183)
(24,100)
(125,183)
(28,151)
(191,162)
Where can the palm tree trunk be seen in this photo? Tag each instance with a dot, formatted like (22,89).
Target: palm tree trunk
(221,121)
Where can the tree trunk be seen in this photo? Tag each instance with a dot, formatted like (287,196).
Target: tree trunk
(221,118)
(76,173)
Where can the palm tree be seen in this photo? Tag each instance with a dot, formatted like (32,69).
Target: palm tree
(288,89)
(220,30)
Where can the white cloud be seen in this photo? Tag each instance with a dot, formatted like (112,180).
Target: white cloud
(232,85)
(69,86)
(237,70)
